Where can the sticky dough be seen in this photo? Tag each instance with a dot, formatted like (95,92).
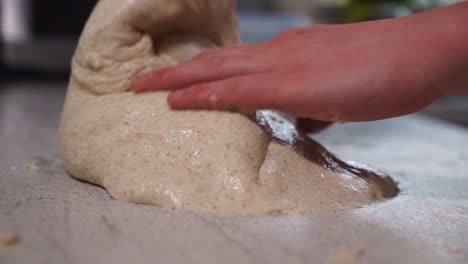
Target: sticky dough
(210,161)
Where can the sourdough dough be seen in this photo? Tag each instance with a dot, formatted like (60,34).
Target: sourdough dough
(211,161)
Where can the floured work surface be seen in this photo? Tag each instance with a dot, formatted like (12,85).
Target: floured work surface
(57,219)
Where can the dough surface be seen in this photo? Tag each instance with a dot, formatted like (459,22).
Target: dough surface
(212,161)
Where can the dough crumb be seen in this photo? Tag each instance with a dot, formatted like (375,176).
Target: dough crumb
(346,255)
(9,240)
(31,166)
(456,251)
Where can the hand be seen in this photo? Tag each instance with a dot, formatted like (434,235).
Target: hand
(355,72)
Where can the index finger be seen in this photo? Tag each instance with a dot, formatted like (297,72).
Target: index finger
(212,66)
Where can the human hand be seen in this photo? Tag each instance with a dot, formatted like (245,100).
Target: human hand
(355,72)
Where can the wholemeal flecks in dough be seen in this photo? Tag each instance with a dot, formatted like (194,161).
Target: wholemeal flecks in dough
(211,161)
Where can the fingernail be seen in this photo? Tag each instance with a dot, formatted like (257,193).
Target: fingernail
(142,82)
(177,94)
(175,99)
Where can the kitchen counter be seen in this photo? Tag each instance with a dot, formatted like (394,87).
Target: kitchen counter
(48,217)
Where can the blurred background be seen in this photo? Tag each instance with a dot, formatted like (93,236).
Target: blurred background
(38,37)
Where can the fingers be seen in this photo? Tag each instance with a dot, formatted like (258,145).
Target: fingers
(210,66)
(258,91)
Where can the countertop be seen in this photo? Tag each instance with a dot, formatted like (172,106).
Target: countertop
(48,217)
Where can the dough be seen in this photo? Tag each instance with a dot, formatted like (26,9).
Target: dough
(212,161)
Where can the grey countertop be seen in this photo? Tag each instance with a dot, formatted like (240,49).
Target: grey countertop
(48,217)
